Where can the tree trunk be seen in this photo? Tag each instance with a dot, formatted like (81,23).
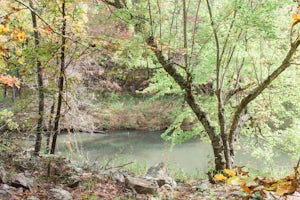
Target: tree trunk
(50,126)
(13,93)
(211,131)
(223,144)
(61,79)
(5,91)
(38,141)
(192,102)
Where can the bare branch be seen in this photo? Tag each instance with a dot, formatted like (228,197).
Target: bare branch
(237,90)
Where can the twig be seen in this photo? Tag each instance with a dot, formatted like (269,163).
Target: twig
(120,166)
(295,63)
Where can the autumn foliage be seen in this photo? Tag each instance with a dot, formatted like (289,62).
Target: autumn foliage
(11,35)
(251,185)
(296,16)
(9,80)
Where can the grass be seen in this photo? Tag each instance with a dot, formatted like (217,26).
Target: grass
(274,172)
(133,113)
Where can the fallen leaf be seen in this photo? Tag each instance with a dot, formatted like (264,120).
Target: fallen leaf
(235,180)
(229,172)
(286,188)
(220,177)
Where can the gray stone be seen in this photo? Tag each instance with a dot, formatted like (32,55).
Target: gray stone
(72,181)
(20,180)
(2,175)
(5,195)
(4,187)
(159,173)
(60,194)
(203,187)
(141,185)
(118,177)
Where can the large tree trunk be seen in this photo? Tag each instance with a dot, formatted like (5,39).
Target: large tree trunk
(223,143)
(61,79)
(215,139)
(192,102)
(40,128)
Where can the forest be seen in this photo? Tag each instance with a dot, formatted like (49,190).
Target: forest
(149,99)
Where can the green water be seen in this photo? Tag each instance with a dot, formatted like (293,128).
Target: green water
(141,147)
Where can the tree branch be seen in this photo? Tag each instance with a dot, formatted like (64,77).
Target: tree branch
(46,23)
(261,87)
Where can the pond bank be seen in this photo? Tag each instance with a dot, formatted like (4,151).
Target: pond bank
(146,148)
(27,177)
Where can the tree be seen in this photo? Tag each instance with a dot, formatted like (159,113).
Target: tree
(40,127)
(50,52)
(224,45)
(12,37)
(61,76)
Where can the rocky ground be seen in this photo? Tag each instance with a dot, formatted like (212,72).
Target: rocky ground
(23,176)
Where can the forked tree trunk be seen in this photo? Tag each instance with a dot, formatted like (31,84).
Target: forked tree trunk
(195,106)
(223,143)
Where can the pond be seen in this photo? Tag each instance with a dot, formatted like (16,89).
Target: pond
(150,148)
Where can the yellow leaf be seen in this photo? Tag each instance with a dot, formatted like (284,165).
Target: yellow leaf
(234,180)
(220,177)
(21,36)
(229,172)
(18,52)
(4,28)
(21,61)
(296,17)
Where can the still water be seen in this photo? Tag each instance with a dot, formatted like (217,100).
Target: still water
(150,148)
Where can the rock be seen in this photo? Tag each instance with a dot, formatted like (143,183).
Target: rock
(5,195)
(4,187)
(203,187)
(118,177)
(141,185)
(2,175)
(20,180)
(72,181)
(159,173)
(60,194)
(120,174)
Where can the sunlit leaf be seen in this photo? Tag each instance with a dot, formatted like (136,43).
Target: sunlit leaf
(4,28)
(21,61)
(286,188)
(234,180)
(220,177)
(229,172)
(18,52)
(295,16)
(246,189)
